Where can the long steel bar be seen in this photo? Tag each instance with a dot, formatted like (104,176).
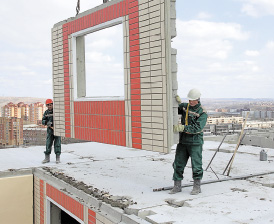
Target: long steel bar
(216,181)
(216,152)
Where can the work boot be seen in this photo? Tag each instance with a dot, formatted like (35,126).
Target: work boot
(196,187)
(177,187)
(47,159)
(57,159)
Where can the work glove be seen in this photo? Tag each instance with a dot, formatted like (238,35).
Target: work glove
(178,99)
(178,128)
(49,123)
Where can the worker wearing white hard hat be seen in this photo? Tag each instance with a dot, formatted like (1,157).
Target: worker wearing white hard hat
(193,120)
(194,94)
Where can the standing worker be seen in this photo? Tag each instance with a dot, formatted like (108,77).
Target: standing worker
(191,141)
(48,120)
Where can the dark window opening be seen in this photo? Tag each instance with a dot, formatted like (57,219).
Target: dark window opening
(58,216)
(67,219)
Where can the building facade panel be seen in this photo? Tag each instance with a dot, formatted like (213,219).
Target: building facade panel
(16,204)
(150,83)
(45,194)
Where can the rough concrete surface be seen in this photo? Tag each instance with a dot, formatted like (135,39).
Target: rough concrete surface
(126,177)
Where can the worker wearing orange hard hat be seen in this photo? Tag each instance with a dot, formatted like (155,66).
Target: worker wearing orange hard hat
(48,121)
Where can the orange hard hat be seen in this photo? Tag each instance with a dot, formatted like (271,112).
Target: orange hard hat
(48,101)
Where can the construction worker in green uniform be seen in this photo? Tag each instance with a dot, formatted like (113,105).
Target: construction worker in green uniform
(48,120)
(191,141)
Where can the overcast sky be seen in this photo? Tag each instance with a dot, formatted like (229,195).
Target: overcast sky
(225,47)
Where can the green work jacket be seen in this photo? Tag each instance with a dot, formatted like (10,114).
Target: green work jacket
(48,116)
(193,132)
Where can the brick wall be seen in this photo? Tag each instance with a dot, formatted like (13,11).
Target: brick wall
(44,191)
(39,201)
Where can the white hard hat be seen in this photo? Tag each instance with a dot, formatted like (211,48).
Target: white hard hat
(194,94)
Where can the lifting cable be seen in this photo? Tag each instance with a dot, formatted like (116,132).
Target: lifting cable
(78,7)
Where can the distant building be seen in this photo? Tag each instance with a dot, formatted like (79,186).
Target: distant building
(9,110)
(225,120)
(251,114)
(223,110)
(259,114)
(36,111)
(260,124)
(263,114)
(233,110)
(36,135)
(19,110)
(29,113)
(24,111)
(219,129)
(270,114)
(11,131)
(218,110)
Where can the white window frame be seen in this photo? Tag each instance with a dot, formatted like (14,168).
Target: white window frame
(74,59)
(49,200)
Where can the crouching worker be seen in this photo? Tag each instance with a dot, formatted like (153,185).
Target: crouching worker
(48,120)
(191,141)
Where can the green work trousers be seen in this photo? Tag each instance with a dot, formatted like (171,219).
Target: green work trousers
(57,142)
(183,152)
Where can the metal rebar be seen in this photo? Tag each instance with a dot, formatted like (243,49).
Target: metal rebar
(216,181)
(216,152)
(214,173)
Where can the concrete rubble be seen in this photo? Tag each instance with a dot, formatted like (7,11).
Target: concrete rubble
(115,201)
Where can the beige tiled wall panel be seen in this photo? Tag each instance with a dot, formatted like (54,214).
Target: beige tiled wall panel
(36,200)
(58,81)
(45,202)
(153,75)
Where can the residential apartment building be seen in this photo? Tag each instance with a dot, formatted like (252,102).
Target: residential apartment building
(20,110)
(9,110)
(223,110)
(225,120)
(29,113)
(260,124)
(36,111)
(11,131)
(259,114)
(24,111)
